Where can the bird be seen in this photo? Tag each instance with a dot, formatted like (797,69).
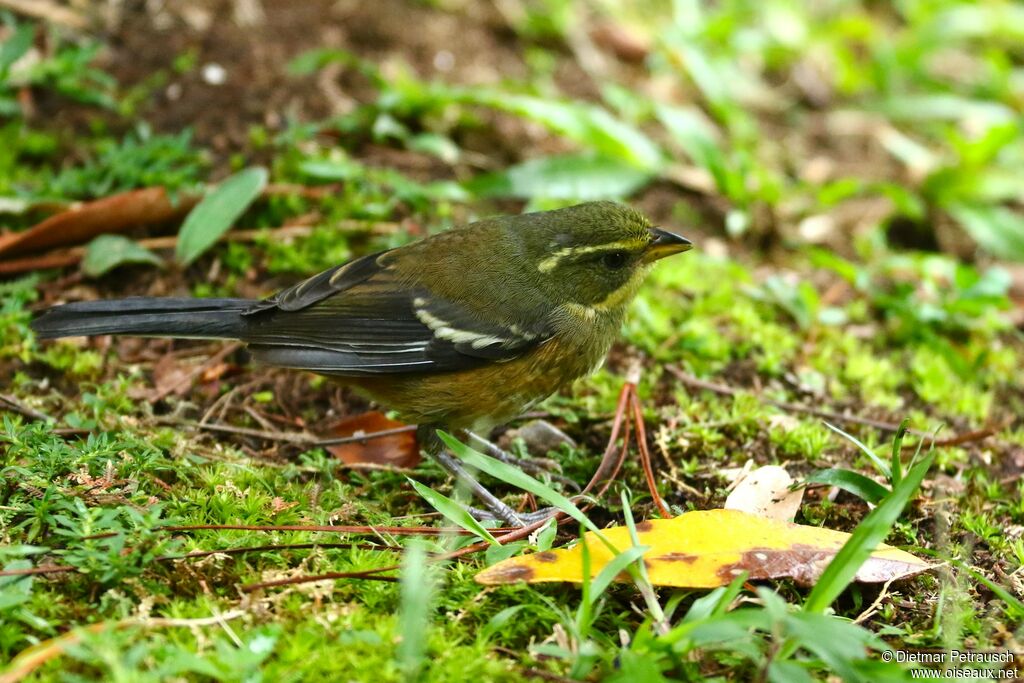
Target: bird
(460,331)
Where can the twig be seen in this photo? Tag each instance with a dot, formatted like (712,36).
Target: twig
(393,530)
(49,569)
(368,575)
(960,439)
(277,546)
(286,437)
(696,383)
(363,438)
(17,406)
(291,437)
(645,455)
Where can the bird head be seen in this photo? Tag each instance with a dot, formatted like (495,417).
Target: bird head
(594,254)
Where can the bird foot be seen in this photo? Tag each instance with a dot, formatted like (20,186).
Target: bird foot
(532,465)
(523,518)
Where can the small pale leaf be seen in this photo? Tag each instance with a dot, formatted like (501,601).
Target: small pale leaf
(107,252)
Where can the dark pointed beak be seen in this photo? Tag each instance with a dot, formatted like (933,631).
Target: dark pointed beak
(664,244)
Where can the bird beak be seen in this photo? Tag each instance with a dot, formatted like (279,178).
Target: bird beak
(664,244)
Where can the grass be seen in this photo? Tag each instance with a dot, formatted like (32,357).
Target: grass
(848,172)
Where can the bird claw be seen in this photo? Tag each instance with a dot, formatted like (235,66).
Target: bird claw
(532,465)
(524,518)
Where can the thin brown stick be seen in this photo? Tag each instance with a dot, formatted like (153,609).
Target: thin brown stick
(363,438)
(48,569)
(299,439)
(645,455)
(960,439)
(270,548)
(393,530)
(13,404)
(696,383)
(286,437)
(367,575)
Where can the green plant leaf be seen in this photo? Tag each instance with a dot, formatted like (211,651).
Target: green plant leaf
(616,566)
(854,482)
(419,585)
(107,252)
(581,177)
(897,451)
(217,211)
(864,539)
(586,124)
(880,464)
(452,511)
(698,138)
(998,230)
(15,47)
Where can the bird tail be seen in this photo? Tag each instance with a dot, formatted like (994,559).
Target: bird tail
(146,316)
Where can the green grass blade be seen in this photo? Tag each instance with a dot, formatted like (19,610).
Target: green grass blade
(616,566)
(452,511)
(897,451)
(417,594)
(107,252)
(864,539)
(879,463)
(854,482)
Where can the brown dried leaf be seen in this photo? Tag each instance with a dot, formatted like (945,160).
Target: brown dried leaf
(396,450)
(82,222)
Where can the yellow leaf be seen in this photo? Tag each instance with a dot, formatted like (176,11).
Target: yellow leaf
(706,549)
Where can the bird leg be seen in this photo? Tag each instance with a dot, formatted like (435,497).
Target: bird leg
(538,466)
(495,508)
(527,518)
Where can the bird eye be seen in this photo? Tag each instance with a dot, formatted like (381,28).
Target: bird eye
(614,260)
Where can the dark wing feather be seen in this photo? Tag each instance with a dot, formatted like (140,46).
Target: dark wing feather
(361,319)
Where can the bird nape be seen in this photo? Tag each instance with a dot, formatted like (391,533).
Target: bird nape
(461,330)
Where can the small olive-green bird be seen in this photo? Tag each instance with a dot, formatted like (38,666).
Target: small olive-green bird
(463,329)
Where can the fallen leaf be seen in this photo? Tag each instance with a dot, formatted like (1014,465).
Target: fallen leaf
(170,375)
(109,215)
(397,450)
(107,252)
(707,549)
(765,492)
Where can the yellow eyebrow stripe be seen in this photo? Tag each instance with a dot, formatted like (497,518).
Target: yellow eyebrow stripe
(551,262)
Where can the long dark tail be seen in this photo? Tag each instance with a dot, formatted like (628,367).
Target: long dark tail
(146,316)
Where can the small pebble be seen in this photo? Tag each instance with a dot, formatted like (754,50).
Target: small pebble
(214,74)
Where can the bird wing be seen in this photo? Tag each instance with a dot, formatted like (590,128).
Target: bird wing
(361,319)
